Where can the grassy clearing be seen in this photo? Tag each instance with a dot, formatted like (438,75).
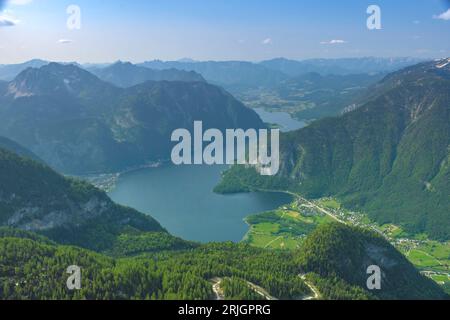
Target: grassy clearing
(284,228)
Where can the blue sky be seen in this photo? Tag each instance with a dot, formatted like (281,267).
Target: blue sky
(138,30)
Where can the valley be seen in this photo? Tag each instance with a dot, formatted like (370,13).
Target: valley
(288,226)
(170,232)
(214,159)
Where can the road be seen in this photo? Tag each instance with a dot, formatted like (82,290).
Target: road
(262,292)
(218,293)
(316,295)
(328,213)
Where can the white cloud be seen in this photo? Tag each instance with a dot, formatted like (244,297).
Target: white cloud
(267,41)
(443,16)
(65,41)
(7,21)
(20,2)
(335,41)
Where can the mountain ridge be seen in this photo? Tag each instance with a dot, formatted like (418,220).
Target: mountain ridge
(125,74)
(115,128)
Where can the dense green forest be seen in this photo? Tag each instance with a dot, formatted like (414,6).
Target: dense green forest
(238,289)
(33,267)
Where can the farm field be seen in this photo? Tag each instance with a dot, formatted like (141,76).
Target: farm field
(286,227)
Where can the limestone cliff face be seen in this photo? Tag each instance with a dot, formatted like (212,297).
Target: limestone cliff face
(67,212)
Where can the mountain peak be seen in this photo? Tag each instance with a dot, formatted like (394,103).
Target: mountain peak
(53,78)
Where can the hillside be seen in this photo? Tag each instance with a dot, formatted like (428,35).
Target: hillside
(342,254)
(32,267)
(115,128)
(35,198)
(389,158)
(233,75)
(11,146)
(311,96)
(127,75)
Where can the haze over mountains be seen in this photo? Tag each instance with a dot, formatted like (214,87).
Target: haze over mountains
(125,74)
(238,76)
(308,89)
(344,66)
(244,74)
(78,123)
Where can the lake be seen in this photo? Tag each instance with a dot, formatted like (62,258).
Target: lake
(283,119)
(182,200)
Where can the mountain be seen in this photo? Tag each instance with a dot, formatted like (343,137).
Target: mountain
(311,96)
(135,257)
(340,256)
(339,66)
(78,123)
(233,75)
(10,71)
(330,94)
(35,198)
(14,147)
(127,75)
(57,80)
(389,158)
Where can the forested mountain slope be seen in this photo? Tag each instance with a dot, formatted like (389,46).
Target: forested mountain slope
(390,157)
(343,254)
(33,197)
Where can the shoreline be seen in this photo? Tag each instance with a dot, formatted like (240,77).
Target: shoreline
(107,181)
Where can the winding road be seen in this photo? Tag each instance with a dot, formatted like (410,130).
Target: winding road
(219,295)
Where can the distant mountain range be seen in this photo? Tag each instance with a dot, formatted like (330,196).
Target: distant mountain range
(312,96)
(242,74)
(9,72)
(233,75)
(307,89)
(125,74)
(78,123)
(238,74)
(344,66)
(390,157)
